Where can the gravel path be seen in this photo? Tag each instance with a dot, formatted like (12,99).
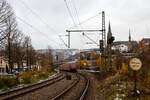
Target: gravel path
(48,92)
(76,91)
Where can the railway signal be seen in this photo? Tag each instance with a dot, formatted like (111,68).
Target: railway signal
(111,40)
(101,45)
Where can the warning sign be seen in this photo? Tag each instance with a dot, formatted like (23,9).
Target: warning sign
(135,64)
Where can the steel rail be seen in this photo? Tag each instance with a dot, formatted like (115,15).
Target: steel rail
(66,90)
(83,94)
(23,90)
(86,88)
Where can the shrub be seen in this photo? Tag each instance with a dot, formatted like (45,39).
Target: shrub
(7,82)
(26,77)
(82,64)
(43,74)
(124,68)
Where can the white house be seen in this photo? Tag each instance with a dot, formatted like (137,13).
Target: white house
(120,47)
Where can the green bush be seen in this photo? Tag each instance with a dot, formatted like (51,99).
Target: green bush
(7,82)
(43,74)
(26,77)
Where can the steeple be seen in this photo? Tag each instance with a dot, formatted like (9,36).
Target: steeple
(109,34)
(129,36)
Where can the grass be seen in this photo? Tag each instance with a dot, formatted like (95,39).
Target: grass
(110,88)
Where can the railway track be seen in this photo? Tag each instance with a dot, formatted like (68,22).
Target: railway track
(65,94)
(14,93)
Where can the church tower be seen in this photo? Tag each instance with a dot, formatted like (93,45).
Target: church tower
(129,36)
(130,47)
(109,34)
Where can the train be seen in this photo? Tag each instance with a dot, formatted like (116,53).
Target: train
(69,66)
(72,66)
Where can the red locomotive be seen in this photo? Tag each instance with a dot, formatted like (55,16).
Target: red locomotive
(70,66)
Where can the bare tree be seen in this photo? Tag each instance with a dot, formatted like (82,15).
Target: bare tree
(30,54)
(50,56)
(17,49)
(8,26)
(5,13)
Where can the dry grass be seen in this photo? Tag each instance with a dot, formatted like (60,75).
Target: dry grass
(110,87)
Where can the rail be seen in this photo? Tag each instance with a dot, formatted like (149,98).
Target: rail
(86,88)
(71,86)
(29,88)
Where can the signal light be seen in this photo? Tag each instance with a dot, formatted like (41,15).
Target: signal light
(101,45)
(110,40)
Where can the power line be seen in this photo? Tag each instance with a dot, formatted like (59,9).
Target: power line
(63,41)
(70,12)
(77,15)
(33,12)
(37,15)
(86,20)
(76,12)
(45,35)
(71,15)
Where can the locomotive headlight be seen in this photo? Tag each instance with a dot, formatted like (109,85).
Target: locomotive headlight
(84,64)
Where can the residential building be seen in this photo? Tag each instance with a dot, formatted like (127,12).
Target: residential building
(125,46)
(3,63)
(144,44)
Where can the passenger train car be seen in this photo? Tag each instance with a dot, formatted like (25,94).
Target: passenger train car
(70,66)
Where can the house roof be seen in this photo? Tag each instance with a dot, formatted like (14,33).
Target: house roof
(146,39)
(1,53)
(134,43)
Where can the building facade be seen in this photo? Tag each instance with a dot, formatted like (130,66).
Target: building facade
(3,63)
(125,46)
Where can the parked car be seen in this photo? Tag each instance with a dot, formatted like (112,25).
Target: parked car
(7,74)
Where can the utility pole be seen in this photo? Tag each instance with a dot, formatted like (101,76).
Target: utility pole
(102,42)
(27,55)
(68,39)
(103,29)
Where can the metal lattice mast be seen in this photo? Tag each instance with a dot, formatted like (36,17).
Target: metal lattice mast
(103,29)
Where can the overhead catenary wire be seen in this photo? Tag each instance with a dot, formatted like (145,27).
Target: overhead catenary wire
(76,12)
(78,19)
(37,16)
(82,22)
(63,41)
(69,11)
(44,21)
(93,41)
(34,28)
(33,12)
(72,14)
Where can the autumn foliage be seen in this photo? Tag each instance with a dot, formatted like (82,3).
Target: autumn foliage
(82,64)
(124,69)
(7,82)
(101,63)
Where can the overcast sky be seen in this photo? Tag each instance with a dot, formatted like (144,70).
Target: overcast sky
(44,20)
